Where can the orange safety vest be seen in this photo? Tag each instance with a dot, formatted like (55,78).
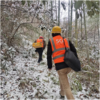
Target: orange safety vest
(58,48)
(41,41)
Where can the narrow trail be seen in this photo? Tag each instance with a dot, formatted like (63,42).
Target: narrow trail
(28,80)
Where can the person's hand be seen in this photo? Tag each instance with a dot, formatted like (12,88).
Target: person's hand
(49,69)
(35,51)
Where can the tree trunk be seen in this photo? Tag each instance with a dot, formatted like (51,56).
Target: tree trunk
(69,19)
(58,12)
(76,34)
(98,27)
(51,11)
(85,32)
(81,25)
(85,22)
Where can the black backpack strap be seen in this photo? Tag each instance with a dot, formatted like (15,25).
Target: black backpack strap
(64,42)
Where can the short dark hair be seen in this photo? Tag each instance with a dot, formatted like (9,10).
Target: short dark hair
(55,34)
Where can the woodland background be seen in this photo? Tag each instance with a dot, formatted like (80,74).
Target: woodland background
(22,22)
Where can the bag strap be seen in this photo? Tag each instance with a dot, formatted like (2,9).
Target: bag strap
(65,45)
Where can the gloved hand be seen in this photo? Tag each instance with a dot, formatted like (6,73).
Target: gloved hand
(36,50)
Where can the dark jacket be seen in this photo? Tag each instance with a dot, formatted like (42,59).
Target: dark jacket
(58,65)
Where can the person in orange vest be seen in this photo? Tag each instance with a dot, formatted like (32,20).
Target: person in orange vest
(56,50)
(40,50)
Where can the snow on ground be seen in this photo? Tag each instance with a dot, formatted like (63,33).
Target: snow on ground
(28,80)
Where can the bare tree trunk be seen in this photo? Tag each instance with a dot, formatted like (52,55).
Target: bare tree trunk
(98,32)
(58,12)
(51,11)
(85,32)
(69,19)
(94,32)
(81,26)
(45,19)
(85,22)
(76,34)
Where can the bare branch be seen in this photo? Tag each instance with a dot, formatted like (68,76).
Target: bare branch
(15,8)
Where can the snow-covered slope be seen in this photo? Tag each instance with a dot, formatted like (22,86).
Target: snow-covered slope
(28,80)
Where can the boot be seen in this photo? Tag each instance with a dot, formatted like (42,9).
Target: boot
(62,97)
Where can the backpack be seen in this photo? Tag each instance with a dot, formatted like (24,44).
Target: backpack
(71,60)
(38,44)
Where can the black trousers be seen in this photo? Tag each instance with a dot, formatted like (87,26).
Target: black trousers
(40,51)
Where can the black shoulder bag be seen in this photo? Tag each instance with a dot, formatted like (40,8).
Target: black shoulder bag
(71,60)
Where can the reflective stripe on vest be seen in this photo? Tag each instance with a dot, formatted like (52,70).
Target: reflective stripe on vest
(58,56)
(55,50)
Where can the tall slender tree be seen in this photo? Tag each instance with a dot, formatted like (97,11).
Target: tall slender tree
(69,19)
(51,11)
(98,25)
(56,9)
(58,12)
(84,21)
(81,21)
(76,34)
(85,30)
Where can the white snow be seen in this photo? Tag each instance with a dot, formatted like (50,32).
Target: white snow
(38,75)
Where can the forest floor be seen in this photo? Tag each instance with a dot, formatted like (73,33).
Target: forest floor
(28,80)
